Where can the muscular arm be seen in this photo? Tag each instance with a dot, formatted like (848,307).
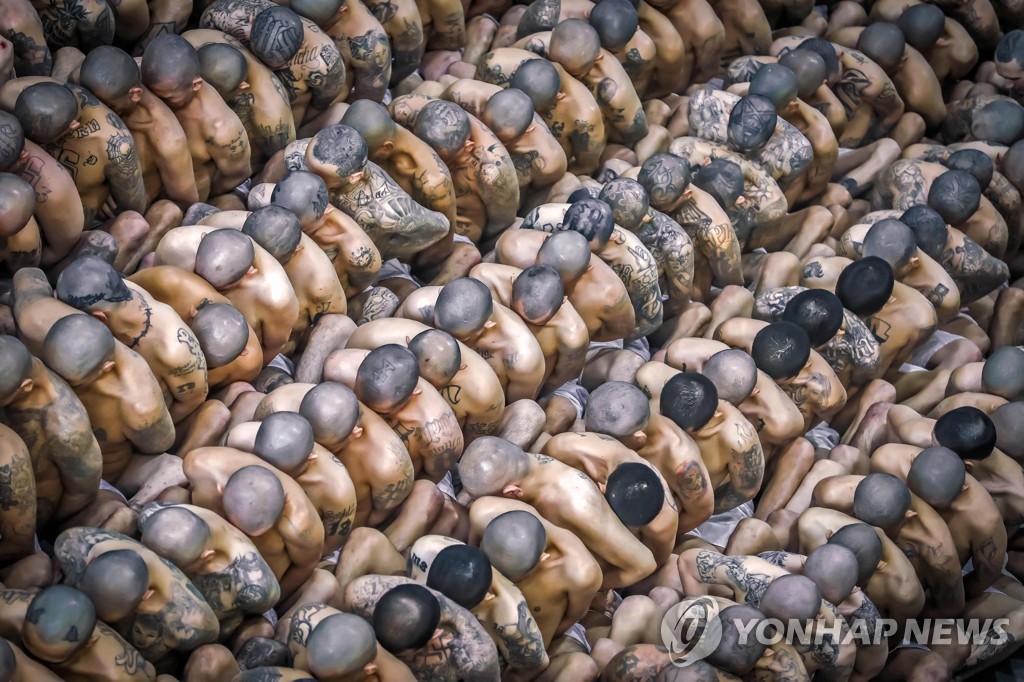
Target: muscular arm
(987,555)
(17,497)
(174,163)
(304,547)
(746,470)
(228,146)
(155,437)
(123,171)
(673,249)
(187,381)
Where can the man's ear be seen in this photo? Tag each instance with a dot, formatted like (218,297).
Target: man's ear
(640,437)
(101,316)
(512,490)
(357,432)
(26,386)
(388,145)
(197,83)
(490,324)
(244,85)
(915,263)
(107,366)
(220,488)
(910,514)
(251,272)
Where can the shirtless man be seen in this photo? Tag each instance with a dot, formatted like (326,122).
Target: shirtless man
(363,45)
(20,24)
(217,139)
(491,466)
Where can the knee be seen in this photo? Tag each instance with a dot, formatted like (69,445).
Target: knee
(132,226)
(624,366)
(888,148)
(931,667)
(782,260)
(820,217)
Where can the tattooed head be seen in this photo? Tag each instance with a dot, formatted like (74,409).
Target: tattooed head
(337,152)
(90,284)
(444,126)
(332,410)
(883,43)
(955,195)
(975,162)
(12,140)
(224,257)
(1008,420)
(575,45)
(819,312)
(463,307)
(593,219)
(285,440)
(112,75)
(1009,57)
(304,194)
(733,373)
(998,122)
(59,621)
(834,569)
(253,500)
(339,646)
(615,21)
(781,350)
(78,348)
(937,476)
(438,355)
(808,67)
(17,204)
(777,83)
(222,332)
(176,534)
(170,69)
(628,200)
(864,286)
(1003,373)
(491,464)
(15,367)
(508,113)
(863,541)
(722,179)
(791,597)
(690,400)
(387,378)
(828,54)
(46,111)
(893,242)
(116,582)
(735,653)
(635,493)
(751,123)
(922,25)
(371,120)
(223,67)
(881,500)
(406,617)
(617,409)
(263,652)
(276,36)
(581,194)
(967,431)
(930,231)
(537,294)
(462,573)
(539,79)
(568,253)
(666,177)
(276,229)
(514,543)
(323,13)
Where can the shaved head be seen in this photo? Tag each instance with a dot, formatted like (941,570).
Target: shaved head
(998,122)
(320,12)
(863,541)
(834,569)
(781,350)
(635,493)
(593,219)
(615,21)
(1003,373)
(371,120)
(722,179)
(303,193)
(223,67)
(332,410)
(967,431)
(285,440)
(733,373)
(776,82)
(77,347)
(438,354)
(514,542)
(539,79)
(627,198)
(930,231)
(444,126)
(937,476)
(17,204)
(59,622)
(922,25)
(665,176)
(176,534)
(508,113)
(955,195)
(276,35)
(222,332)
(109,73)
(90,283)
(791,597)
(535,19)
(568,253)
(276,229)
(224,257)
(337,149)
(736,653)
(12,140)
(46,111)
(892,241)
(116,582)
(537,294)
(617,409)
(387,377)
(575,45)
(405,618)
(883,43)
(463,306)
(462,573)
(865,286)
(881,500)
(818,312)
(15,366)
(170,66)
(827,52)
(253,500)
(340,645)
(808,67)
(751,124)
(975,162)
(488,464)
(690,400)
(1009,424)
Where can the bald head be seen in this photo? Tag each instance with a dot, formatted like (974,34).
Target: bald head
(808,67)
(539,79)
(276,229)
(1009,424)
(224,257)
(892,241)
(834,569)
(90,283)
(665,176)
(827,52)
(733,373)
(863,541)
(170,66)
(488,464)
(46,111)
(405,618)
(922,25)
(998,122)
(332,411)
(737,652)
(116,582)
(1003,373)
(864,286)
(883,43)
(222,332)
(617,409)
(955,195)
(284,440)
(593,219)
(387,377)
(722,179)
(15,367)
(791,597)
(371,120)
(937,476)
(338,150)
(627,198)
(881,500)
(176,534)
(537,294)
(575,45)
(12,140)
(635,493)
(59,622)
(276,36)
(568,253)
(303,193)
(751,124)
(536,18)
(1009,55)
(508,113)
(818,312)
(77,347)
(463,306)
(930,231)
(975,162)
(253,500)
(439,356)
(444,126)
(340,645)
(223,67)
(462,573)
(321,12)
(17,204)
(690,400)
(967,431)
(781,350)
(615,22)
(514,542)
(776,82)
(1013,164)
(110,73)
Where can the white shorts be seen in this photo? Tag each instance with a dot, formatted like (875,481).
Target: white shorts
(283,363)
(574,392)
(719,528)
(107,486)
(639,346)
(447,485)
(579,633)
(395,269)
(932,346)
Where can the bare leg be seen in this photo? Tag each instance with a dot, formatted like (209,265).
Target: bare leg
(148,475)
(330,334)
(204,427)
(803,497)
(560,415)
(367,552)
(856,169)
(851,459)
(522,422)
(616,365)
(751,537)
(211,663)
(1008,322)
(909,130)
(321,588)
(416,515)
(479,35)
(789,468)
(849,418)
(734,301)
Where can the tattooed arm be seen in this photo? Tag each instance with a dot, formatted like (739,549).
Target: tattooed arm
(17,498)
(746,471)
(444,441)
(672,248)
(519,639)
(717,239)
(390,482)
(122,170)
(187,380)
(228,146)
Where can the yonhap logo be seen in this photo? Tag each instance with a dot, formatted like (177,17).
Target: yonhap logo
(691,630)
